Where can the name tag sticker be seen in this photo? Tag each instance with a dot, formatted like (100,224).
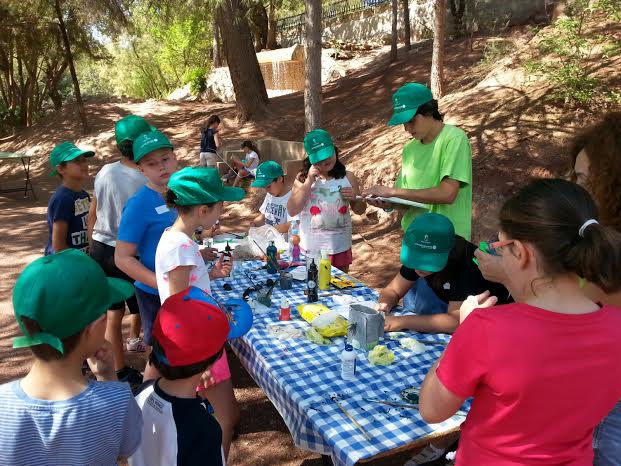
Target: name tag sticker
(161,209)
(335,189)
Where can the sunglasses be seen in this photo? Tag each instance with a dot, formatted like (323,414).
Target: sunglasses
(498,245)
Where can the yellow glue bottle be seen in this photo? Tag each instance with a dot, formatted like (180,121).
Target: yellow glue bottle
(325,271)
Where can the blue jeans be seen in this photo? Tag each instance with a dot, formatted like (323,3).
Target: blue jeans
(422,299)
(607,439)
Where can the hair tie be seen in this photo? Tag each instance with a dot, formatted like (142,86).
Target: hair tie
(585,225)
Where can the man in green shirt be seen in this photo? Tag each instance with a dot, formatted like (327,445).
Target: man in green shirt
(436,164)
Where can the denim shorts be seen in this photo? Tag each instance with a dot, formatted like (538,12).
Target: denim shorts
(423,300)
(149,305)
(607,439)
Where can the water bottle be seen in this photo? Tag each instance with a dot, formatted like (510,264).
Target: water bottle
(348,363)
(272,258)
(293,238)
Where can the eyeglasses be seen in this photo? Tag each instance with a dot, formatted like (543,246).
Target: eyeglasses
(498,245)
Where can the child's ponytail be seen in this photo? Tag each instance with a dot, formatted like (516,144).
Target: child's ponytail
(559,218)
(596,256)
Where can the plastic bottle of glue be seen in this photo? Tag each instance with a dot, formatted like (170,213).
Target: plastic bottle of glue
(285,310)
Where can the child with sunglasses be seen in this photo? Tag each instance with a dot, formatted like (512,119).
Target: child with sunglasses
(543,371)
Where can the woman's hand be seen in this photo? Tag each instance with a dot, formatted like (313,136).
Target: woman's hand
(378,191)
(479,301)
(491,267)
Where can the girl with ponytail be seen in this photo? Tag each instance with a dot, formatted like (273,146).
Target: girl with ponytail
(544,370)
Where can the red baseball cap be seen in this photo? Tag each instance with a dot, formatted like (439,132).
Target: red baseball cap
(190,328)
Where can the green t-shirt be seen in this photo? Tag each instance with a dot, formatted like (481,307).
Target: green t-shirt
(426,165)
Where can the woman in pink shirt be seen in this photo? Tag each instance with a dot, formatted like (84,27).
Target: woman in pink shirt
(543,371)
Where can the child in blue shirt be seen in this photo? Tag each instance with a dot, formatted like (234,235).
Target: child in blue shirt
(67,210)
(54,415)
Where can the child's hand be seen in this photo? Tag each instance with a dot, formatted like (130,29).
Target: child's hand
(313,173)
(476,302)
(394,323)
(102,364)
(207,379)
(209,254)
(383,307)
(348,194)
(215,229)
(221,269)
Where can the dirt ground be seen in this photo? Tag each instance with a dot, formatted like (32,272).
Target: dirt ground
(515,132)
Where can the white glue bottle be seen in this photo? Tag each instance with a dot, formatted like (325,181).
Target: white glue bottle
(348,363)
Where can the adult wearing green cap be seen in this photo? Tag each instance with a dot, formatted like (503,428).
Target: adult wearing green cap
(271,177)
(436,165)
(437,274)
(115,183)
(322,195)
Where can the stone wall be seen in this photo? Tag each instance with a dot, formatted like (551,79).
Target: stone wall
(374,25)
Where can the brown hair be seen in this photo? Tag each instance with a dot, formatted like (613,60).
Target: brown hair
(602,144)
(157,358)
(548,214)
(46,352)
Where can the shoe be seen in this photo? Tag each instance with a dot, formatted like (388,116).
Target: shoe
(426,455)
(135,345)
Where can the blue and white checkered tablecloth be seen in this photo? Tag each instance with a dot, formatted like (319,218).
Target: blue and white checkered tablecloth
(300,378)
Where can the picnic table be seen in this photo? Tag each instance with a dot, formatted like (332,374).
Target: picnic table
(302,379)
(25,159)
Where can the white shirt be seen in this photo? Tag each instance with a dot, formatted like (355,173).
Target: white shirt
(177,249)
(252,157)
(325,221)
(275,209)
(114,185)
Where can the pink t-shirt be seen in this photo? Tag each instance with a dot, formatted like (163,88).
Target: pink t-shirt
(541,382)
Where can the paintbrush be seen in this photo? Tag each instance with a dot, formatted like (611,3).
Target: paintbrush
(349,416)
(396,404)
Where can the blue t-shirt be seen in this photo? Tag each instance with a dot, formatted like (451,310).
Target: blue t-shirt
(144,219)
(97,426)
(71,207)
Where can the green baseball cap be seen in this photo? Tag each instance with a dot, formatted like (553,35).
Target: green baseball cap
(201,185)
(63,293)
(318,145)
(130,127)
(148,142)
(65,152)
(427,243)
(267,172)
(406,101)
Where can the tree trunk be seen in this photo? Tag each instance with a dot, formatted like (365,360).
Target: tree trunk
(312,66)
(393,42)
(437,58)
(74,76)
(271,25)
(406,25)
(217,47)
(250,94)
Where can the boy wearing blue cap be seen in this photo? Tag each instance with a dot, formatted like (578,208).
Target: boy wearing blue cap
(54,414)
(67,210)
(436,166)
